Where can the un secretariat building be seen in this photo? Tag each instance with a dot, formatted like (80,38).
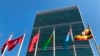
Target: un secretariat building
(60,20)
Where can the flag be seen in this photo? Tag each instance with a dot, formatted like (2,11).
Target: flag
(66,40)
(81,37)
(67,37)
(85,35)
(12,43)
(86,32)
(47,42)
(33,42)
(3,47)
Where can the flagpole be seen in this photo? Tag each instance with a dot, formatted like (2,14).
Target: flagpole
(94,41)
(21,45)
(85,28)
(37,44)
(6,45)
(96,46)
(73,41)
(89,40)
(54,41)
(99,48)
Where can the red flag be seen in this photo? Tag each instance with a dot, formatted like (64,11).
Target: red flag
(12,43)
(20,39)
(33,42)
(3,47)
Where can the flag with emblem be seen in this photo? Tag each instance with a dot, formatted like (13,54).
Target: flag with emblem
(12,43)
(85,35)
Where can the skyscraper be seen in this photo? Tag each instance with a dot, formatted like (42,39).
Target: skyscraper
(60,19)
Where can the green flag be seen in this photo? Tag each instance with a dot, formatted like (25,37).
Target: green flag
(47,42)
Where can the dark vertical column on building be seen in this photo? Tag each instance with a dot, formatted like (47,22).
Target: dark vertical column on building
(60,19)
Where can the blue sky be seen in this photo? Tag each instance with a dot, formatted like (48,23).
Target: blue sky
(18,16)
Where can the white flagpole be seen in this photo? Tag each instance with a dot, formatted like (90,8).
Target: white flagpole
(54,41)
(91,47)
(94,41)
(85,28)
(37,44)
(6,45)
(99,48)
(73,41)
(21,45)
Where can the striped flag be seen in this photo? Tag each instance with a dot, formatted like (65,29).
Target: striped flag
(12,43)
(47,42)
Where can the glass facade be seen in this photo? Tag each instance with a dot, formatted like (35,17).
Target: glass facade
(60,19)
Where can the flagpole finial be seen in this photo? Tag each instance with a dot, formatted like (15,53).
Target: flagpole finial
(25,31)
(53,27)
(12,33)
(39,29)
(88,26)
(70,25)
